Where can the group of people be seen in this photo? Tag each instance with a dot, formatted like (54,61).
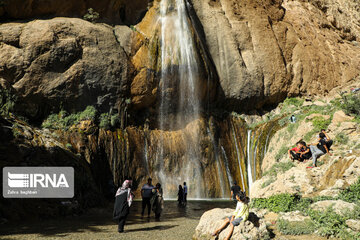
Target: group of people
(152,198)
(303,152)
(182,195)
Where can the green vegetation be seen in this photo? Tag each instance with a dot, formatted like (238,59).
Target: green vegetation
(279,167)
(342,138)
(296,228)
(282,151)
(268,182)
(64,121)
(297,102)
(91,15)
(352,193)
(320,123)
(351,104)
(108,121)
(16,130)
(326,223)
(7,102)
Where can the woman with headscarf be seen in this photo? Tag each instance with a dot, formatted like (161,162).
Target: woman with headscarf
(181,195)
(157,201)
(123,200)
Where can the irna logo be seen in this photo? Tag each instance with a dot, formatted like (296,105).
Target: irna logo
(18,180)
(38,182)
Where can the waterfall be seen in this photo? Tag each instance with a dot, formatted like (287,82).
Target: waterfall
(179,97)
(218,165)
(249,157)
(226,161)
(146,156)
(238,158)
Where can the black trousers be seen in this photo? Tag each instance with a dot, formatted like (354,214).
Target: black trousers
(145,202)
(296,156)
(329,144)
(185,196)
(121,224)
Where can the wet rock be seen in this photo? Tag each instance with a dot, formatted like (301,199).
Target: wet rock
(253,228)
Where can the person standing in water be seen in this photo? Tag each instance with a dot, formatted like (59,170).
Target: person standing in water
(123,200)
(185,192)
(235,189)
(180,196)
(146,194)
(157,201)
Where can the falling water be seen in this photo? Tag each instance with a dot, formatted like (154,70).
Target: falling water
(238,158)
(146,156)
(179,103)
(249,155)
(218,165)
(226,161)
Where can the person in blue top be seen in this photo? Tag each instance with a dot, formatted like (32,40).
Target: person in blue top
(146,194)
(185,192)
(241,213)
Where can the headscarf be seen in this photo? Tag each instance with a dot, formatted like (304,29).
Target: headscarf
(125,188)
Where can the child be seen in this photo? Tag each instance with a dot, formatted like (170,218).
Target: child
(241,213)
(294,153)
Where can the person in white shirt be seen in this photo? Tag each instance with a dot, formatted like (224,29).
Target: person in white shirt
(241,213)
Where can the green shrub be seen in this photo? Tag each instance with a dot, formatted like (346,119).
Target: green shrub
(88,114)
(281,153)
(295,228)
(279,167)
(310,134)
(91,15)
(277,203)
(351,193)
(115,120)
(351,103)
(297,102)
(69,146)
(105,121)
(320,123)
(64,121)
(342,138)
(7,102)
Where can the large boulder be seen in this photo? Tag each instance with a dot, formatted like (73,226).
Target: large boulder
(253,228)
(112,11)
(64,62)
(339,206)
(267,50)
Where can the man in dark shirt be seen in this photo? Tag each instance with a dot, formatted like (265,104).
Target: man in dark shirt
(234,190)
(146,194)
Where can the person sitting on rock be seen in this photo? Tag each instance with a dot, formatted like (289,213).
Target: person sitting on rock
(241,213)
(305,152)
(318,149)
(294,153)
(327,139)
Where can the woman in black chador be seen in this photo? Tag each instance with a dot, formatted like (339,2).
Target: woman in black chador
(123,200)
(181,196)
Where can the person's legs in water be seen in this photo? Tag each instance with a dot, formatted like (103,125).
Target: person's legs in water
(143,205)
(121,224)
(148,206)
(226,222)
